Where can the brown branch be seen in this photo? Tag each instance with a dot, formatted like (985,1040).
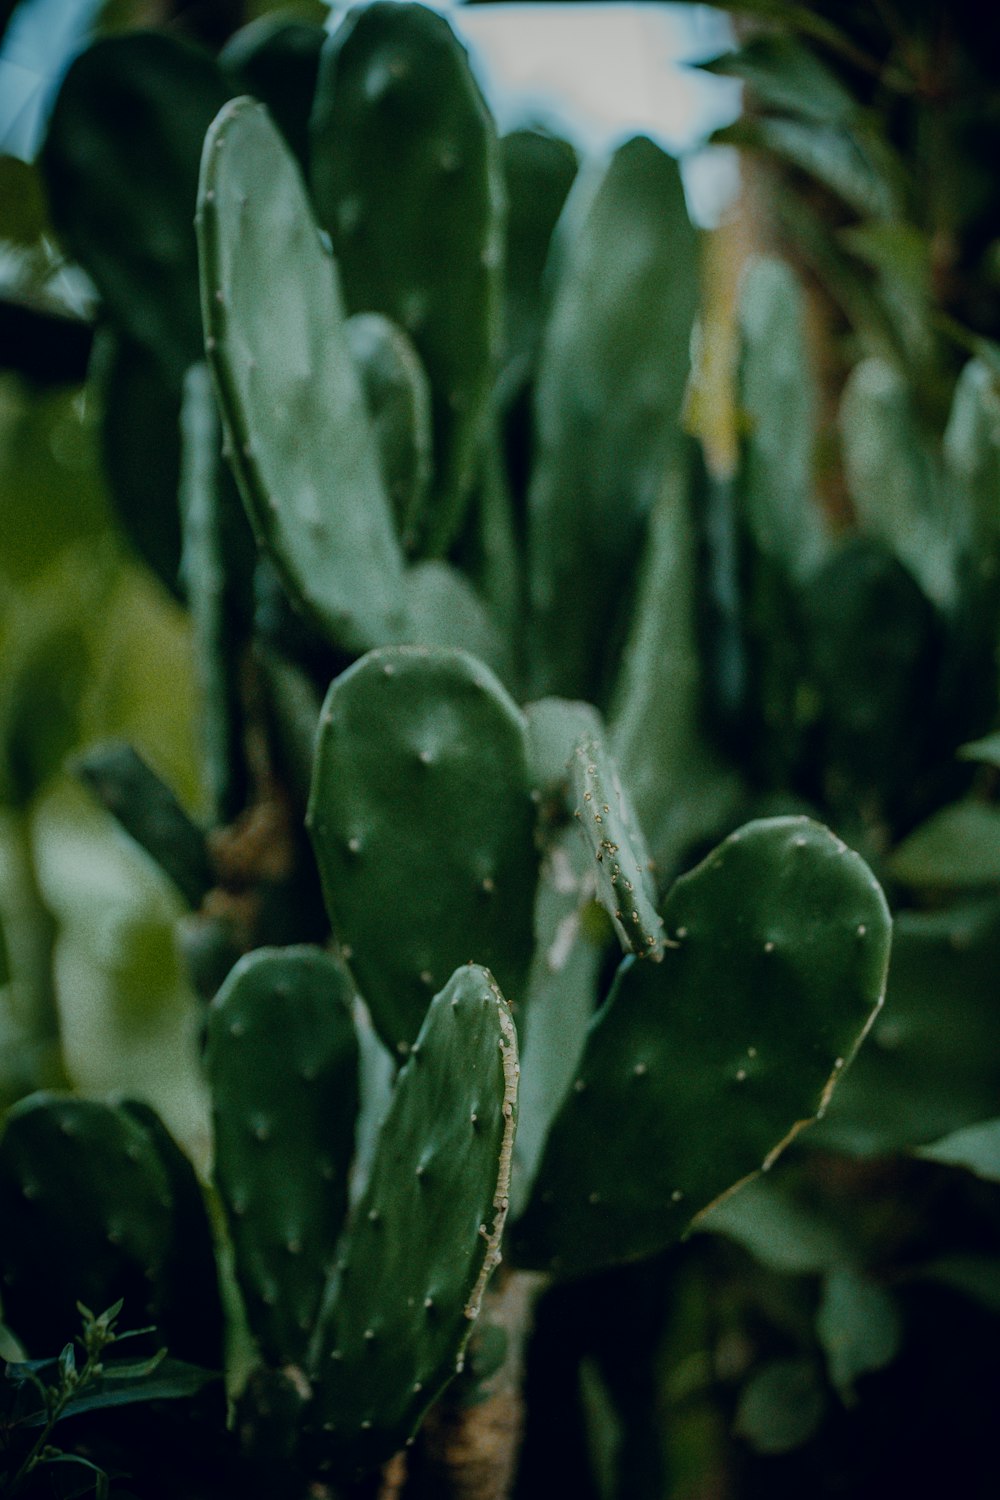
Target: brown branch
(469,1445)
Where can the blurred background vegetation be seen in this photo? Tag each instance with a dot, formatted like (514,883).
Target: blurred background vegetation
(835,1333)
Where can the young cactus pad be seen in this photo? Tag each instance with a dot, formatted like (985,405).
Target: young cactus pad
(426,1234)
(700,1069)
(301,443)
(398,398)
(625,886)
(406,174)
(282,1064)
(423,825)
(150,813)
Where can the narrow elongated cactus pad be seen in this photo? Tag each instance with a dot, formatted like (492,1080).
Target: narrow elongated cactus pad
(398,398)
(682,791)
(625,886)
(570,947)
(86,1215)
(777,393)
(612,370)
(426,1233)
(282,1063)
(423,826)
(538,172)
(302,445)
(700,1069)
(406,174)
(150,813)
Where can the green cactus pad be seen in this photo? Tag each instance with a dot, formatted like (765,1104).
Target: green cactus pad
(86,1215)
(893,482)
(406,176)
(778,398)
(150,813)
(932,1064)
(869,633)
(190,1288)
(683,793)
(612,372)
(538,173)
(208,584)
(426,1234)
(282,1064)
(444,609)
(555,728)
(700,1069)
(625,886)
(562,995)
(399,405)
(121,167)
(301,444)
(491,553)
(423,826)
(276,59)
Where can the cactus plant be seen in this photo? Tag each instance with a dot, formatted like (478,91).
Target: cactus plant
(465,493)
(406,176)
(426,1234)
(412,740)
(281,1061)
(294,411)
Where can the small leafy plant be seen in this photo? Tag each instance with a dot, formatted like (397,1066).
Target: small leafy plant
(38,1395)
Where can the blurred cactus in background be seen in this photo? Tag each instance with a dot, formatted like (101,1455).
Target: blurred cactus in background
(491,669)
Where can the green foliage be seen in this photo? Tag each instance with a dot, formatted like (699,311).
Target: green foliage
(405,171)
(611,376)
(538,171)
(397,394)
(147,809)
(406,1291)
(412,740)
(276,59)
(120,163)
(293,406)
(932,1062)
(879,127)
(97,1177)
(37,1395)
(711,1084)
(455,417)
(282,1065)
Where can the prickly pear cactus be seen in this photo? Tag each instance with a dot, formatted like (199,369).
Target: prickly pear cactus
(299,437)
(406,173)
(611,376)
(422,819)
(92,1210)
(282,1064)
(775,966)
(425,1237)
(469,484)
(398,397)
